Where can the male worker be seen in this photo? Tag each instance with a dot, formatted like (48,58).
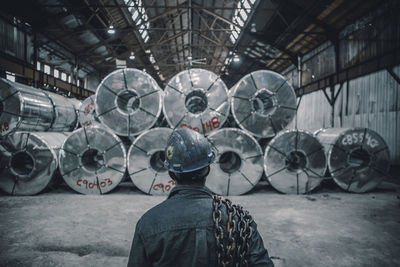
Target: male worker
(193,227)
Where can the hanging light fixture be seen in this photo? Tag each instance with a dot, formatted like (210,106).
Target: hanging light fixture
(111,29)
(132,56)
(236,58)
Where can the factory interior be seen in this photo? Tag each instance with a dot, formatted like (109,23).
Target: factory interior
(299,99)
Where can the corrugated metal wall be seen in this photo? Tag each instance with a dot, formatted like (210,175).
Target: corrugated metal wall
(371,101)
(15,42)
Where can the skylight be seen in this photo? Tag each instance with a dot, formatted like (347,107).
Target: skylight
(240,17)
(139,16)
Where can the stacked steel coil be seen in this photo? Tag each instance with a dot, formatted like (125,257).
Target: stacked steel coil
(358,158)
(197,99)
(87,112)
(128,101)
(263,103)
(23,108)
(238,165)
(146,162)
(294,162)
(28,161)
(93,160)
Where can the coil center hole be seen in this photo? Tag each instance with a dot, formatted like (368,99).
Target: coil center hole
(359,158)
(128,101)
(196,101)
(230,162)
(22,163)
(296,161)
(157,161)
(92,159)
(264,102)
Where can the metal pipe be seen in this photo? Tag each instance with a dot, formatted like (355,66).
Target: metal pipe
(93,160)
(197,99)
(238,164)
(128,101)
(263,103)
(358,158)
(28,161)
(294,162)
(146,162)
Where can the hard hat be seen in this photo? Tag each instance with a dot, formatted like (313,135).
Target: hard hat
(187,151)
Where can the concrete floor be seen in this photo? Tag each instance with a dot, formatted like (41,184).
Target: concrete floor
(327,228)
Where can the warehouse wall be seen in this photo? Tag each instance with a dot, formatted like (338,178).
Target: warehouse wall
(371,101)
(15,42)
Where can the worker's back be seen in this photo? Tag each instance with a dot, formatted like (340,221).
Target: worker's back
(181,232)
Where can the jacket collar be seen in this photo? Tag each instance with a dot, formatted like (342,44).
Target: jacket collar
(189,190)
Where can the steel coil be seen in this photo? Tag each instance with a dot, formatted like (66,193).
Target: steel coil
(197,99)
(28,161)
(263,103)
(93,160)
(128,101)
(294,162)
(146,162)
(65,113)
(358,158)
(238,164)
(87,112)
(25,108)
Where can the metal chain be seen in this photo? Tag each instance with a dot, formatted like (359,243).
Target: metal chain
(233,242)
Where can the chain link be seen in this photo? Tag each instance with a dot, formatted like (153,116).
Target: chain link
(232,244)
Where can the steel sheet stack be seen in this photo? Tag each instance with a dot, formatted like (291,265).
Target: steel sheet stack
(146,162)
(28,161)
(294,162)
(358,158)
(263,103)
(23,108)
(128,101)
(196,99)
(238,164)
(93,160)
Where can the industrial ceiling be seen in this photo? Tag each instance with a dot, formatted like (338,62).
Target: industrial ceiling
(228,37)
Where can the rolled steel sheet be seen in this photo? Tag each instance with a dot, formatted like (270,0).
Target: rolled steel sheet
(197,99)
(128,101)
(28,161)
(263,103)
(77,104)
(358,158)
(238,164)
(294,162)
(93,160)
(146,162)
(87,112)
(25,108)
(65,113)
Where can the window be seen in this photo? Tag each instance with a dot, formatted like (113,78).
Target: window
(38,65)
(56,73)
(10,76)
(63,76)
(135,14)
(47,69)
(243,14)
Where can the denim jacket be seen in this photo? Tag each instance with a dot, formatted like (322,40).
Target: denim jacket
(180,232)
